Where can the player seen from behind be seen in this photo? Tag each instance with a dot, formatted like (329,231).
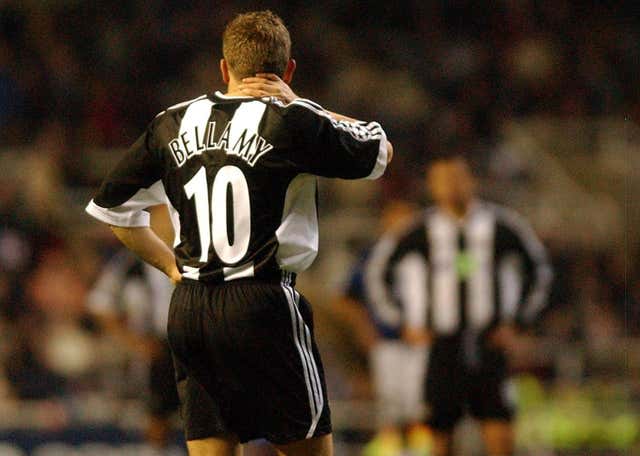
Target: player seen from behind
(239,177)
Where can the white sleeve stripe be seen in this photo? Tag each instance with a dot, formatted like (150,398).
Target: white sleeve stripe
(112,217)
(381,160)
(132,212)
(308,103)
(358,129)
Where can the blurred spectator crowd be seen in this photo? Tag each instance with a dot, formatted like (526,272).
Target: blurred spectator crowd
(543,95)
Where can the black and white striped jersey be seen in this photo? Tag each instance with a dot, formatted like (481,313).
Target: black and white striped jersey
(450,275)
(239,177)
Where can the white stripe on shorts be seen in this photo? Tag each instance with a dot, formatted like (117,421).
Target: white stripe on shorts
(302,338)
(304,329)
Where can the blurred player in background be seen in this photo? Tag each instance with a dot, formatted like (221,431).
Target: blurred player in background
(239,176)
(130,301)
(463,280)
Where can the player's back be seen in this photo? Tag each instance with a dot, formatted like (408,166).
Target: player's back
(239,177)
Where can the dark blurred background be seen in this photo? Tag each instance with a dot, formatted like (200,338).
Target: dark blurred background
(544,95)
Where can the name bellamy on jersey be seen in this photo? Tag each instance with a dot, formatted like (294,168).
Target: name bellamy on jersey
(249,146)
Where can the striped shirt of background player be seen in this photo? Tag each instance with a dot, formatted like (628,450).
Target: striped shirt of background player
(416,279)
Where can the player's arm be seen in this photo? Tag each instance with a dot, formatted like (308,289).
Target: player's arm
(537,272)
(515,235)
(161,223)
(270,85)
(327,147)
(123,200)
(144,241)
(147,245)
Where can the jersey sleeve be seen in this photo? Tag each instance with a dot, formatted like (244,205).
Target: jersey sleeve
(326,147)
(132,186)
(520,238)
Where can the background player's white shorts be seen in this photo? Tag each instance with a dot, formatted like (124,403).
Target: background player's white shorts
(398,371)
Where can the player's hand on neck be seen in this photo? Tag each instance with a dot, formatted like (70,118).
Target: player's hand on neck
(266,85)
(261,84)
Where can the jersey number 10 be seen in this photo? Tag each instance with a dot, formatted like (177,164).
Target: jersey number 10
(213,225)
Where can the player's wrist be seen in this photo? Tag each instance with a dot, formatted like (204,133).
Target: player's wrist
(174,274)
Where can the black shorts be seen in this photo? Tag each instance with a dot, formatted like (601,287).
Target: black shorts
(452,389)
(246,362)
(163,397)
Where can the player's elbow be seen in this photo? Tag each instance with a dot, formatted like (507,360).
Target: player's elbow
(389,152)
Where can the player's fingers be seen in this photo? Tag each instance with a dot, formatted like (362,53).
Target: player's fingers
(262,94)
(261,86)
(256,79)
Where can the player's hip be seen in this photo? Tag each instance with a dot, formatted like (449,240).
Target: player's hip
(240,313)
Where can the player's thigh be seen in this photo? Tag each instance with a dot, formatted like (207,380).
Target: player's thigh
(201,414)
(286,392)
(316,446)
(214,446)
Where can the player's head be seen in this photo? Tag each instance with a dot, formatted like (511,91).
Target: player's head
(256,42)
(450,182)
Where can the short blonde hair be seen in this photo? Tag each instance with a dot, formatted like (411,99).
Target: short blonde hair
(256,42)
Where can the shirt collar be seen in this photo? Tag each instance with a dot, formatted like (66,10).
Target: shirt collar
(219,95)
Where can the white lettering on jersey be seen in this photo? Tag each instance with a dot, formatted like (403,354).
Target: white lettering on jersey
(248,146)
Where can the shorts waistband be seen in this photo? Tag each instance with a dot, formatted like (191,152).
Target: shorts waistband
(280,278)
